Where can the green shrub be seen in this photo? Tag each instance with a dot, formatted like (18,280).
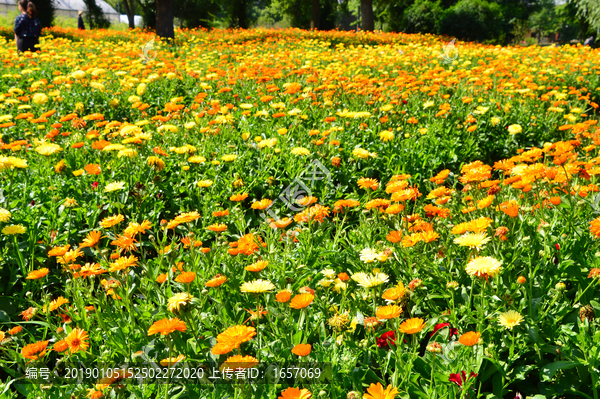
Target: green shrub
(474,20)
(423,16)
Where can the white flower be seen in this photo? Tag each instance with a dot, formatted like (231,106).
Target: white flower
(368,255)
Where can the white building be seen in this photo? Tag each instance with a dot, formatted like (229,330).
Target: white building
(64,8)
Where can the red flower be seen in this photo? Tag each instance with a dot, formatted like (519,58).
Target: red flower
(453,331)
(458,379)
(386,339)
(94,185)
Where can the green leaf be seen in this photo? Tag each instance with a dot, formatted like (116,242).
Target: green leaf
(550,370)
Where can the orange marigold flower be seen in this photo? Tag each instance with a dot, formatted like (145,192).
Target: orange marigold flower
(187,217)
(412,326)
(296,393)
(61,346)
(35,351)
(234,336)
(59,251)
(111,221)
(262,204)
(221,213)
(395,293)
(77,340)
(365,183)
(377,392)
(511,208)
(186,277)
(283,296)
(440,177)
(123,263)
(594,273)
(470,338)
(15,330)
(217,228)
(257,266)
(167,326)
(315,212)
(57,303)
(36,274)
(91,239)
(388,312)
(302,350)
(216,281)
(125,243)
(301,301)
(394,236)
(238,197)
(478,225)
(280,224)
(378,203)
(28,314)
(92,169)
(595,227)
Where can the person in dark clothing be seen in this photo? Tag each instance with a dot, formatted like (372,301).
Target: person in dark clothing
(80,24)
(27,27)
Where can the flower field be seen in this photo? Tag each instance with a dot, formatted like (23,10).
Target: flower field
(401,221)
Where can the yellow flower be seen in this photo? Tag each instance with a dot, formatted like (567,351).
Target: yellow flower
(386,136)
(40,98)
(515,129)
(472,240)
(369,281)
(70,203)
(179,300)
(510,319)
(196,159)
(205,183)
(114,187)
(78,74)
(300,151)
(257,286)
(48,149)
(363,154)
(484,267)
(14,229)
(495,121)
(5,215)
(229,157)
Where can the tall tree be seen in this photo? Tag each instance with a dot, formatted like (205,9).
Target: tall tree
(95,16)
(366,11)
(590,11)
(45,12)
(314,15)
(130,11)
(238,13)
(164,19)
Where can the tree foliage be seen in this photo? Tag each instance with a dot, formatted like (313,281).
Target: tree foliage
(590,10)
(45,12)
(94,15)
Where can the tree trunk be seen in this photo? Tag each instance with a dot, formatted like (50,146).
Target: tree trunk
(130,11)
(366,9)
(314,15)
(164,19)
(242,14)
